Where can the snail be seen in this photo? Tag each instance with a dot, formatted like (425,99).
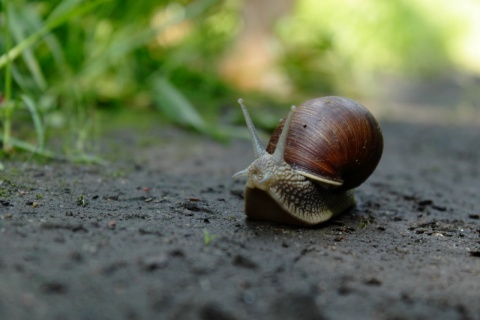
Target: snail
(315,157)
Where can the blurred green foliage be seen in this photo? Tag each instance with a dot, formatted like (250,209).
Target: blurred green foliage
(63,60)
(71,57)
(344,44)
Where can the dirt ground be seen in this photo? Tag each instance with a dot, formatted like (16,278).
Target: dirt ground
(161,234)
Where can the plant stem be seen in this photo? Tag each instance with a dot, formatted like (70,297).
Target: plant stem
(7,105)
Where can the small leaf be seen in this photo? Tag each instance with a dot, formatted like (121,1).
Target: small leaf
(207,237)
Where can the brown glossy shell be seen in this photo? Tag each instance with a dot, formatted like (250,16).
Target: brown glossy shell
(333,140)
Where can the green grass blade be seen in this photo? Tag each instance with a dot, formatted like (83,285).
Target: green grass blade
(14,52)
(7,104)
(37,121)
(31,62)
(63,8)
(126,44)
(88,158)
(175,105)
(25,146)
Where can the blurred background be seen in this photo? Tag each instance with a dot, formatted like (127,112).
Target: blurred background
(70,68)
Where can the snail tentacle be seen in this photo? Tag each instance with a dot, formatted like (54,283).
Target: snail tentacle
(278,155)
(257,146)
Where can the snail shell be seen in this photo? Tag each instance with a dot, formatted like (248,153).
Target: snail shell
(316,155)
(332,140)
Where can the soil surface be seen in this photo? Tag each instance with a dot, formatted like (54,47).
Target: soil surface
(161,234)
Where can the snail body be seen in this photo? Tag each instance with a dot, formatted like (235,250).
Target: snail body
(316,156)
